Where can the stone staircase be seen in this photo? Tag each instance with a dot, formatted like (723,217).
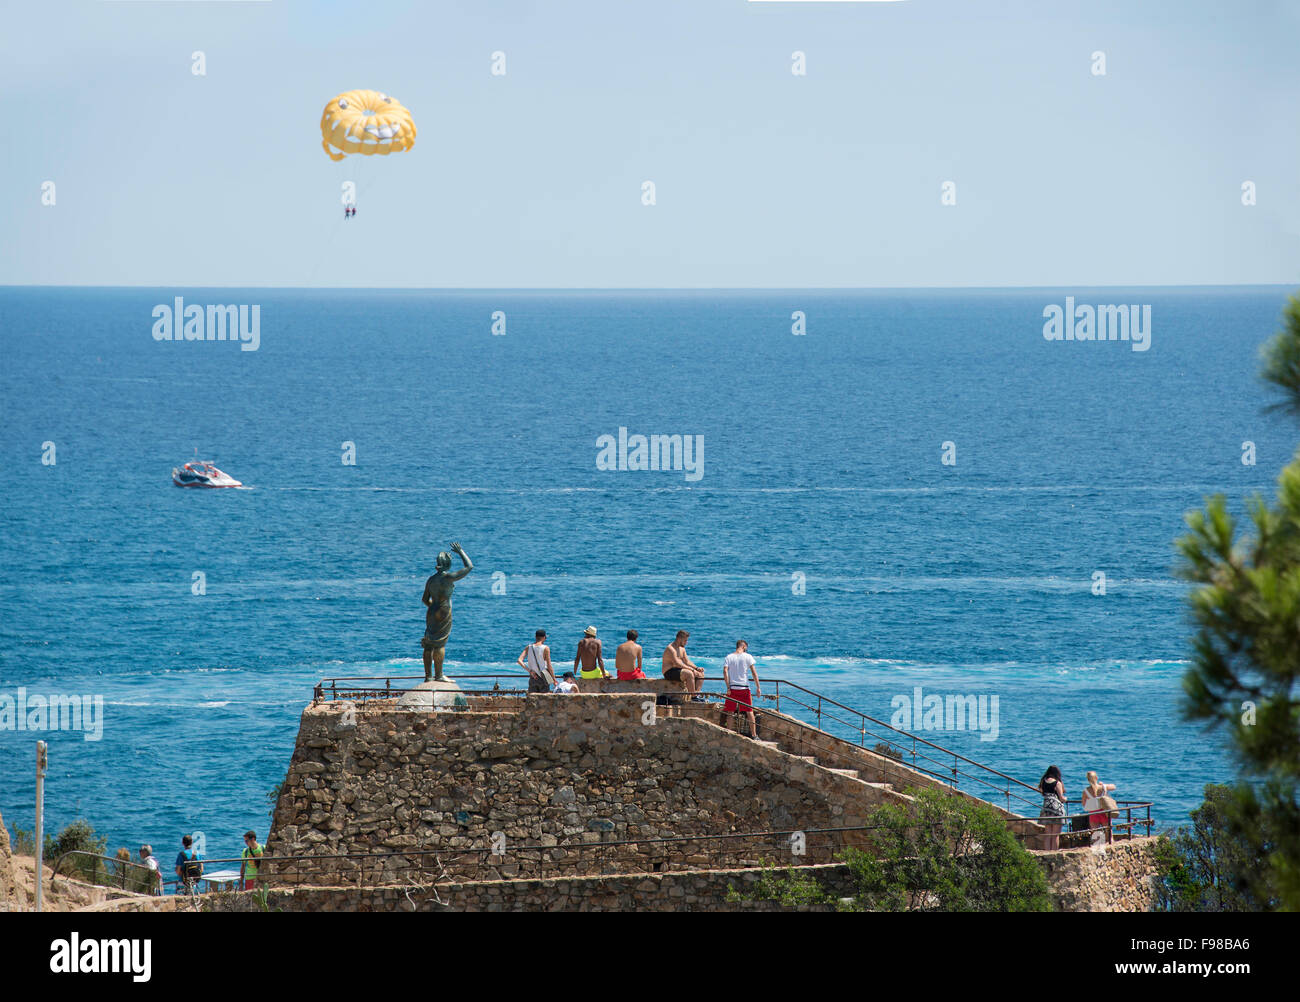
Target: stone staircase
(795,741)
(848,773)
(802,742)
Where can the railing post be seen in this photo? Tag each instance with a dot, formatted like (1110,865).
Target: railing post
(42,762)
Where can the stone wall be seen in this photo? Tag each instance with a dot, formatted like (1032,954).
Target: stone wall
(559,769)
(1117,878)
(8,879)
(700,890)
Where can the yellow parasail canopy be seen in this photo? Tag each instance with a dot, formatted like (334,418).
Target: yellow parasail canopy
(365,122)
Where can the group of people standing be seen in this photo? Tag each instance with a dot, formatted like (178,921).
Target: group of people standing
(189,867)
(677,666)
(1097,804)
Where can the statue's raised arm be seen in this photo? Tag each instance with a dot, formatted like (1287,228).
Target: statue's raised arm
(464,559)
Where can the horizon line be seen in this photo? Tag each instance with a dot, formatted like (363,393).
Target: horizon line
(673,288)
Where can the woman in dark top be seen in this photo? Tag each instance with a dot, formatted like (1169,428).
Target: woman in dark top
(1053,813)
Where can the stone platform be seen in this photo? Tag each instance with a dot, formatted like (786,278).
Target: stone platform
(438,694)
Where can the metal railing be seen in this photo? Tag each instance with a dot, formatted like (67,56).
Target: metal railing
(106,871)
(354,688)
(951,775)
(539,861)
(1114,829)
(603,857)
(926,756)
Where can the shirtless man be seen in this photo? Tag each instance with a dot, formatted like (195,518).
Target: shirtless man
(627,659)
(678,667)
(589,661)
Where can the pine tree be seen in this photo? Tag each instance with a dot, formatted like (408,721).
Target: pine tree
(1246,652)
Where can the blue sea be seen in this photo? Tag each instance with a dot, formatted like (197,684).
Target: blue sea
(822,465)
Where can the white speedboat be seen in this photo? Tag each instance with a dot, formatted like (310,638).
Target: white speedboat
(201,473)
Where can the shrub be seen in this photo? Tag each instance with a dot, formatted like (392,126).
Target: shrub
(888,750)
(1213,865)
(792,888)
(23,843)
(940,852)
(943,852)
(79,835)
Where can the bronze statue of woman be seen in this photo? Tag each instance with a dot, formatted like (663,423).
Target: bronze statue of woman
(437,620)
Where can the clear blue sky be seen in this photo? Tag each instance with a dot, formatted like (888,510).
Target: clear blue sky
(764,179)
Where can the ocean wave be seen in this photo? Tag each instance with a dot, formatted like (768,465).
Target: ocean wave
(237,590)
(641,488)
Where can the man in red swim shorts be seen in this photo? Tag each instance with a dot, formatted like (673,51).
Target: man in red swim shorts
(736,670)
(627,659)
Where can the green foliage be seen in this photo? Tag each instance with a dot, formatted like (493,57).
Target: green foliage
(1214,864)
(941,852)
(23,842)
(79,835)
(1282,359)
(792,889)
(1246,652)
(1247,610)
(262,899)
(273,798)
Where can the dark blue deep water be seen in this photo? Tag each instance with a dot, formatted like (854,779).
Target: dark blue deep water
(821,457)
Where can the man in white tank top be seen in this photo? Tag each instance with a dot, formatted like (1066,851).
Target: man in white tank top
(536,660)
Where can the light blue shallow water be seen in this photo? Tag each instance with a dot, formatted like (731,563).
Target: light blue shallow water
(821,457)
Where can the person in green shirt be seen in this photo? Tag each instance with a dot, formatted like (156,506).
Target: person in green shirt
(251,855)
